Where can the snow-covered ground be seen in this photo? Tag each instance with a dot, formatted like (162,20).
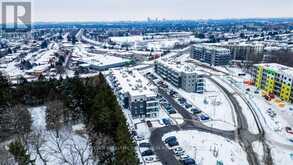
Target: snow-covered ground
(207,148)
(281,156)
(69,146)
(212,102)
(274,126)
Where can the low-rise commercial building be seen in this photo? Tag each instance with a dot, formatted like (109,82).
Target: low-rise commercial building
(136,93)
(212,55)
(274,78)
(181,75)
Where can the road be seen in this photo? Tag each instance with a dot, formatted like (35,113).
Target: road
(166,156)
(246,138)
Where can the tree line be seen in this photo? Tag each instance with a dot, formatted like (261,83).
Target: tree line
(88,100)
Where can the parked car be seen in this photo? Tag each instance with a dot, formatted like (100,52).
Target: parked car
(145,145)
(204,117)
(133,133)
(149,123)
(188,105)
(147,153)
(178,149)
(179,153)
(188,161)
(170,138)
(172,93)
(139,138)
(272,113)
(149,159)
(183,157)
(182,100)
(195,111)
(171,111)
(167,122)
(289,130)
(173,143)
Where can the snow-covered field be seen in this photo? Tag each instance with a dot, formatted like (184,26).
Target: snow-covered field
(207,148)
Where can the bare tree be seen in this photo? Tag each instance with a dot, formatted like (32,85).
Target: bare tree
(14,120)
(54,116)
(37,140)
(69,150)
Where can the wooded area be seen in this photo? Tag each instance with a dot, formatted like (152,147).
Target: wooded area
(68,101)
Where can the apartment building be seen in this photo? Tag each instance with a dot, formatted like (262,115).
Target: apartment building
(136,93)
(212,55)
(274,78)
(181,75)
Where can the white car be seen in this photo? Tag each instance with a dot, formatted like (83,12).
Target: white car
(149,159)
(179,153)
(183,157)
(178,149)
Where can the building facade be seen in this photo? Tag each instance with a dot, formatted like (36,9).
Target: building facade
(274,78)
(212,55)
(181,75)
(135,93)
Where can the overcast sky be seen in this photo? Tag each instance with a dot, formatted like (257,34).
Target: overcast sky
(116,10)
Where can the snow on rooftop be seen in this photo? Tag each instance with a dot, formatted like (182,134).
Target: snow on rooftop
(132,82)
(278,68)
(96,59)
(179,65)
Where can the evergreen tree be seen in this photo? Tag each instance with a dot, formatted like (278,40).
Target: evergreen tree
(20,153)
(5,92)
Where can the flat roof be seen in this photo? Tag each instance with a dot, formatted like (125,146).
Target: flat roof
(278,68)
(211,47)
(132,82)
(103,60)
(180,65)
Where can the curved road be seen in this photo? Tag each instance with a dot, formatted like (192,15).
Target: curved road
(165,155)
(245,137)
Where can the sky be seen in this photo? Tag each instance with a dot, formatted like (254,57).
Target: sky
(123,10)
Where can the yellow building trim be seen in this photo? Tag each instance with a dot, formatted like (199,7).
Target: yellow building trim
(270,84)
(285,92)
(259,77)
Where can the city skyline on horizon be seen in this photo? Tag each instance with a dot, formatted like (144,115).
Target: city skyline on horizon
(130,10)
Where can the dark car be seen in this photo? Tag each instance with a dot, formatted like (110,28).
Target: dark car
(167,122)
(173,143)
(188,106)
(133,133)
(145,145)
(171,138)
(149,123)
(182,100)
(172,93)
(171,111)
(195,111)
(188,161)
(289,130)
(147,153)
(204,117)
